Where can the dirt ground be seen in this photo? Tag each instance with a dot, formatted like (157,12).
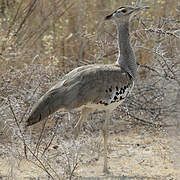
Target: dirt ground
(134,153)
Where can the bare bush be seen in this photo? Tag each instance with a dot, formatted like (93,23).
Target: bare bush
(42,40)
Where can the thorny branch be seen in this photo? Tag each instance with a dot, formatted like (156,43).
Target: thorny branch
(154,98)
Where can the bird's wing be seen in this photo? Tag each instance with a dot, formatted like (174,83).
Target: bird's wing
(95,84)
(87,84)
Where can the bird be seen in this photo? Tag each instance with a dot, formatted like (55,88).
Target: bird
(96,86)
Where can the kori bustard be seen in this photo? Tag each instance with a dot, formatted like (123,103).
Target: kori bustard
(97,86)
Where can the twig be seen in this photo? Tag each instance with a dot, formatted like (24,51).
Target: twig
(54,135)
(48,26)
(17,123)
(42,165)
(14,19)
(160,31)
(25,145)
(40,137)
(30,10)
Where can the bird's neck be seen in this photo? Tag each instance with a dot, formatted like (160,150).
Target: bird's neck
(126,59)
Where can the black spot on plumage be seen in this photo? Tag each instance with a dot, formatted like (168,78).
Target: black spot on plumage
(122,90)
(112,101)
(121,98)
(105,104)
(110,90)
(115,98)
(117,93)
(100,102)
(106,91)
(117,88)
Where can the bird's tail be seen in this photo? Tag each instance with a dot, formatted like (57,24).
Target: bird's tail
(48,104)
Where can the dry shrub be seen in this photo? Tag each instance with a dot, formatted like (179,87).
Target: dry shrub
(41,40)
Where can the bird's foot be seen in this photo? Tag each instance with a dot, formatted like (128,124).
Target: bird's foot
(106,171)
(76,131)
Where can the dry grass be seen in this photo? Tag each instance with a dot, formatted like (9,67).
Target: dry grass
(42,40)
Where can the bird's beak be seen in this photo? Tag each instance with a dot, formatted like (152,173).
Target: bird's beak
(141,8)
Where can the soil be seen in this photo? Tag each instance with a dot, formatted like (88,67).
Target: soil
(134,153)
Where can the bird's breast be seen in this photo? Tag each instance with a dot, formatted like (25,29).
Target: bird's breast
(116,94)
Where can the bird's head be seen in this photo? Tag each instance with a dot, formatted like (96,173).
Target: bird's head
(123,14)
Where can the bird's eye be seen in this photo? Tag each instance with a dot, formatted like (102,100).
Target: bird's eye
(124,10)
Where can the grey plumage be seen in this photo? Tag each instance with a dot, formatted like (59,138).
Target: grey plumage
(85,85)
(96,86)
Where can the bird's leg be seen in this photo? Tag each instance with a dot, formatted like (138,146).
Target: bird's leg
(84,113)
(105,136)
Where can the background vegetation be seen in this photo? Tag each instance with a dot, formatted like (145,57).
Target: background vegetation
(41,40)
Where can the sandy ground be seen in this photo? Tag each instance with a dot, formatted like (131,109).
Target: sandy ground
(134,153)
